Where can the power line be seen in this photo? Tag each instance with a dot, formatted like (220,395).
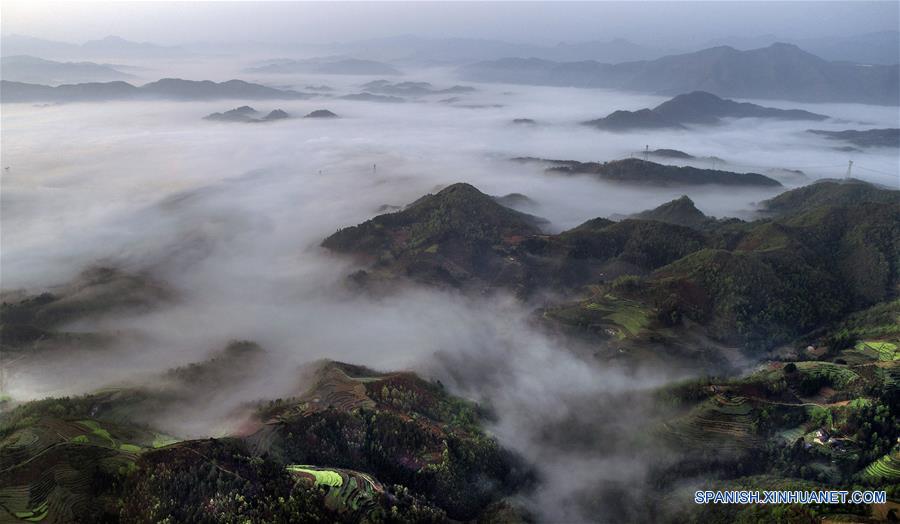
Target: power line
(875,170)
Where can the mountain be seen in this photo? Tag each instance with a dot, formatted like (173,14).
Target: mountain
(777,280)
(108,47)
(694,108)
(420,51)
(239,114)
(326,66)
(537,71)
(205,89)
(355,445)
(408,421)
(445,238)
(321,113)
(516,201)
(615,50)
(276,114)
(809,298)
(167,88)
(117,47)
(88,92)
(700,107)
(23,68)
(882,47)
(369,97)
(850,192)
(247,114)
(681,211)
(864,138)
(671,153)
(15,45)
(630,120)
(754,285)
(412,89)
(780,71)
(646,173)
(34,322)
(462,238)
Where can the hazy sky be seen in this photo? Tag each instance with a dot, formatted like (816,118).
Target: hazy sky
(540,22)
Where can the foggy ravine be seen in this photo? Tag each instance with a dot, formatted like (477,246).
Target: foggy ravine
(230,217)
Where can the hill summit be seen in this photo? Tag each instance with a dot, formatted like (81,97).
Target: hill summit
(680,211)
(447,237)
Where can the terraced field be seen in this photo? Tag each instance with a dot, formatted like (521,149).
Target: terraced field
(349,493)
(839,376)
(890,374)
(335,388)
(718,424)
(878,349)
(48,468)
(58,484)
(789,436)
(886,469)
(321,477)
(605,312)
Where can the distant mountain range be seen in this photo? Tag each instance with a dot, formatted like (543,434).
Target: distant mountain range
(24,68)
(413,89)
(698,107)
(325,66)
(369,97)
(865,138)
(780,71)
(870,48)
(633,171)
(108,47)
(882,47)
(167,88)
(421,50)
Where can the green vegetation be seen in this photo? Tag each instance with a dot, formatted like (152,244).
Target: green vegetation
(681,211)
(885,469)
(800,423)
(323,477)
(816,375)
(34,515)
(102,470)
(365,446)
(719,425)
(755,285)
(884,350)
(401,429)
(831,193)
(625,318)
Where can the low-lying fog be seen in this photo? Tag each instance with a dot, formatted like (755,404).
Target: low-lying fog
(231,214)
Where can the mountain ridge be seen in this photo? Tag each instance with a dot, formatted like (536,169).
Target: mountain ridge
(780,71)
(166,88)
